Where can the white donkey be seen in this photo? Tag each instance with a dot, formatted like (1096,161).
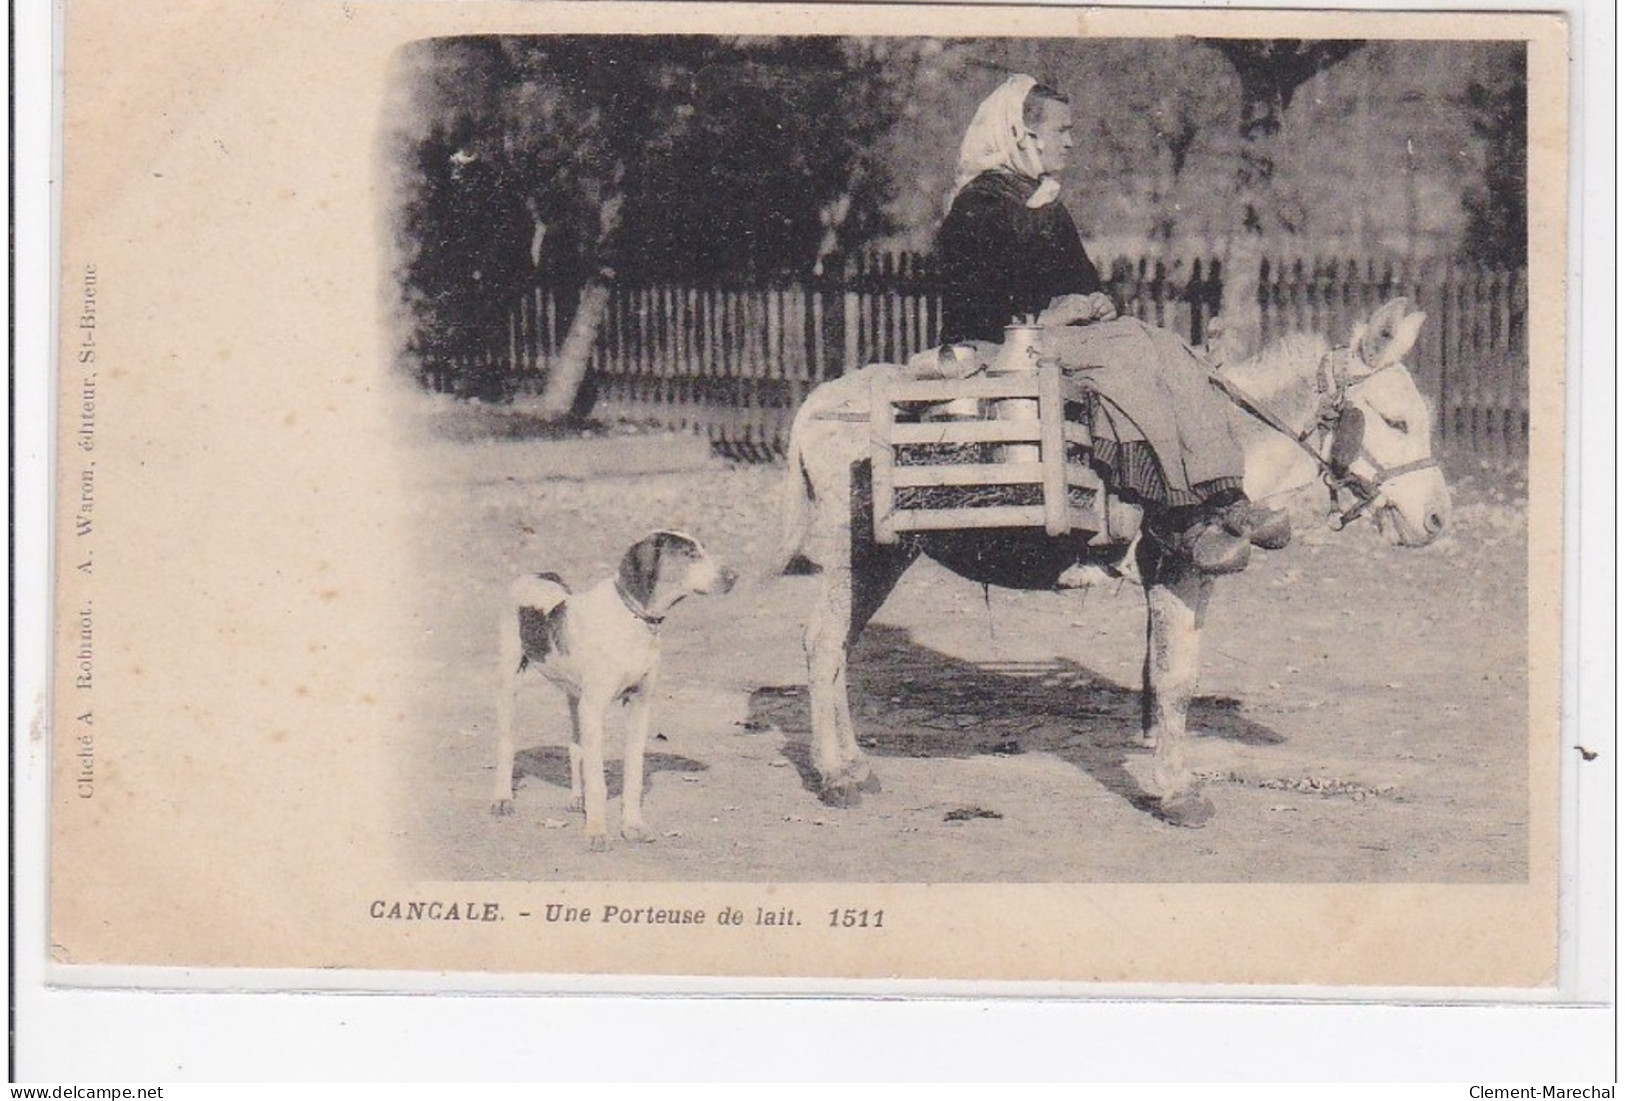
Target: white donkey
(1376,449)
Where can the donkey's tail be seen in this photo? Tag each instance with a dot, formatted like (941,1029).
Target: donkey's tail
(795,510)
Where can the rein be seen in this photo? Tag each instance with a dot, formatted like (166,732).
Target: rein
(1334,384)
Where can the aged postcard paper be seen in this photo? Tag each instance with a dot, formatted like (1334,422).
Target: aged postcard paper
(429,379)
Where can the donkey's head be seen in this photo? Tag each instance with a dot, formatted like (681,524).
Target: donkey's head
(1385,433)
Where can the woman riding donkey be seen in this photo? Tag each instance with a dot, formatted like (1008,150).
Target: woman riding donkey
(1008,249)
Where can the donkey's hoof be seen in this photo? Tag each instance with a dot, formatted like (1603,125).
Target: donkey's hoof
(858,775)
(840,793)
(598,844)
(502,808)
(1190,809)
(637,833)
(577,804)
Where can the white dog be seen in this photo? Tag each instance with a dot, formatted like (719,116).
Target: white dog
(599,646)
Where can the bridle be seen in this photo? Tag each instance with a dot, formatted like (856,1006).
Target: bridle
(1343,425)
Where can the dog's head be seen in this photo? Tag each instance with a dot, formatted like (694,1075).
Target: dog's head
(662,568)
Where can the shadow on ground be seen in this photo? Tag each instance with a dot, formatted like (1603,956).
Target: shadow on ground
(473,422)
(551,765)
(911,701)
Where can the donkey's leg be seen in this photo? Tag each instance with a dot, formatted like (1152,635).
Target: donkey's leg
(825,643)
(1176,609)
(846,601)
(873,572)
(829,543)
(876,571)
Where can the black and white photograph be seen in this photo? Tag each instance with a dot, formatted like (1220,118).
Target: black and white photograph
(1112,439)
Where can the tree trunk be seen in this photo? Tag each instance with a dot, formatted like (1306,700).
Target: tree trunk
(1251,199)
(1241,323)
(569,368)
(1270,71)
(1254,223)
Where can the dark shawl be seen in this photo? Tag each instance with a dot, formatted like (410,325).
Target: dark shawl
(1000,259)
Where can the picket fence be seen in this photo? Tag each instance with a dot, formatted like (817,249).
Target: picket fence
(1471,358)
(734,361)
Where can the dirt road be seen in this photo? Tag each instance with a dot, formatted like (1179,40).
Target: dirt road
(1362,713)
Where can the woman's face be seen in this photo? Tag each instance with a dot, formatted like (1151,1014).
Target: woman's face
(1052,135)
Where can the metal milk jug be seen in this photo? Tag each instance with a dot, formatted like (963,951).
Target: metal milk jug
(1019,353)
(1018,356)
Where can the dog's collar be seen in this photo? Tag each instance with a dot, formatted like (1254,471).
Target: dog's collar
(636,608)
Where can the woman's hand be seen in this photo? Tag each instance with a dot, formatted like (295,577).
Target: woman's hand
(1078,309)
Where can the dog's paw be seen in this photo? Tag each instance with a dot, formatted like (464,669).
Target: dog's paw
(639,833)
(502,808)
(577,804)
(598,844)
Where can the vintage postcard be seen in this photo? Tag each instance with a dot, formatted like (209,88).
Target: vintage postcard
(1010,494)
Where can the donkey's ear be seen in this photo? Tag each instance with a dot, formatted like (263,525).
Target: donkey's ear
(1404,339)
(1373,338)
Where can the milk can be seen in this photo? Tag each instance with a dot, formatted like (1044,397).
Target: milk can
(1018,356)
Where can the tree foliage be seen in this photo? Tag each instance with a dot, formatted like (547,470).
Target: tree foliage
(1497,205)
(577,160)
(1271,71)
(645,157)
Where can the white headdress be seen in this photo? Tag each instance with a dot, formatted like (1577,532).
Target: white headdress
(997,138)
